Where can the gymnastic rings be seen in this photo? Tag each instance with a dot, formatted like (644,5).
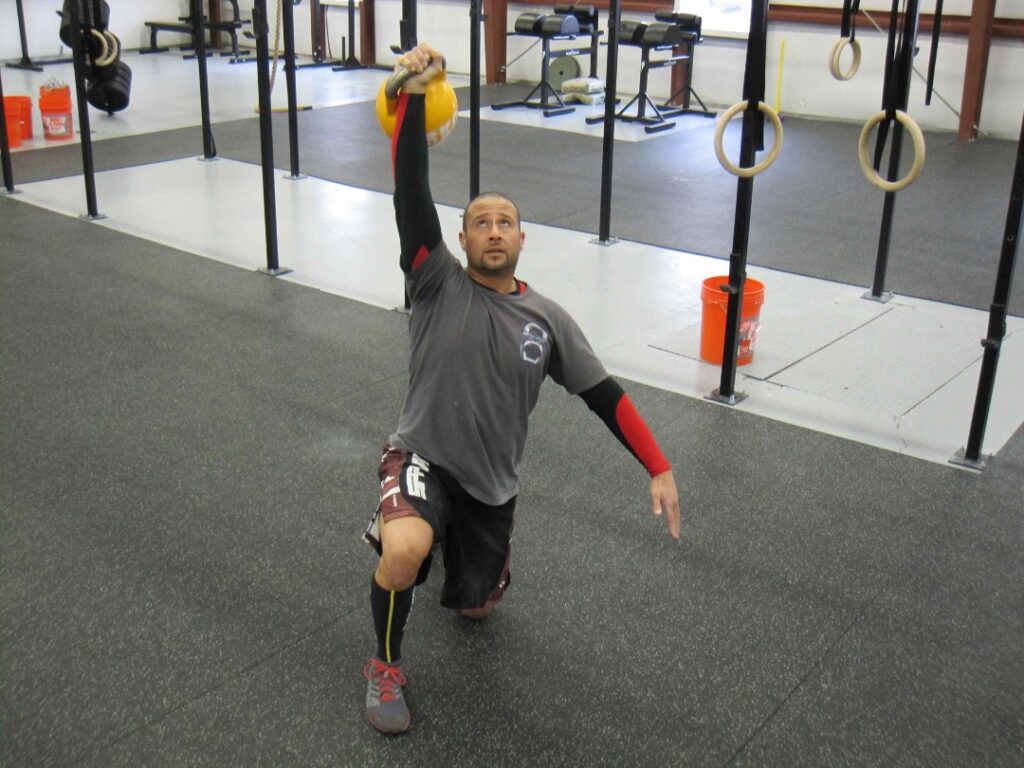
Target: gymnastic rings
(865,157)
(110,48)
(837,52)
(735,170)
(115,49)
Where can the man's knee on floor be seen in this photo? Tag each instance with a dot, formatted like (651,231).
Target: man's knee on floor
(482,612)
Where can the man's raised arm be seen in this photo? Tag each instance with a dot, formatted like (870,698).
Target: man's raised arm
(419,229)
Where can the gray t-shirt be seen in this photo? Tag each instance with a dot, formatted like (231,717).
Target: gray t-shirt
(477,362)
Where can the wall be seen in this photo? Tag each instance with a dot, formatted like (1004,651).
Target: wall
(807,87)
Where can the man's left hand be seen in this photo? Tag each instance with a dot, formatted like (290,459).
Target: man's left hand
(665,500)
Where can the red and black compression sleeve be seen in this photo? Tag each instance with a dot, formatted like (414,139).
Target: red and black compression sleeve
(609,401)
(419,229)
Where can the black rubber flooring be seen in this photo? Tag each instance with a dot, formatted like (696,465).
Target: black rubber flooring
(187,461)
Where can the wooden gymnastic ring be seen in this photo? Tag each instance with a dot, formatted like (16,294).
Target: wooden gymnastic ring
(115,49)
(397,80)
(837,52)
(103,59)
(735,170)
(865,157)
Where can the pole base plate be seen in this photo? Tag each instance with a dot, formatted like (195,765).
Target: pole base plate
(734,399)
(960,459)
(884,298)
(274,272)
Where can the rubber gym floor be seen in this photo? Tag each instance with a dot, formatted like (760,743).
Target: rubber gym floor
(188,461)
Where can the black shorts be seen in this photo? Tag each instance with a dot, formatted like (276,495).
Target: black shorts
(475,538)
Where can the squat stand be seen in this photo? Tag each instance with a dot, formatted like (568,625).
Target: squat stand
(349,58)
(26,61)
(544,86)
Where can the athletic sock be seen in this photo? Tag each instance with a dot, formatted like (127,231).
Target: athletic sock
(390,612)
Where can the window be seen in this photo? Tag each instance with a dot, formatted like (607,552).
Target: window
(725,17)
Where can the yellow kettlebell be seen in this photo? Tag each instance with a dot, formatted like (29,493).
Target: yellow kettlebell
(441,105)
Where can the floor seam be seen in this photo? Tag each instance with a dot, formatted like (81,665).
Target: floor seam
(799,684)
(217,687)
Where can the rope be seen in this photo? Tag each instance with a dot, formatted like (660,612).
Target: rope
(517,58)
(277,45)
(276,55)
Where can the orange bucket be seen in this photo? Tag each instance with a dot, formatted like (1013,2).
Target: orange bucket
(715,302)
(55,111)
(24,103)
(12,118)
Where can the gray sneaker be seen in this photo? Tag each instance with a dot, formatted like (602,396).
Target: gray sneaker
(385,706)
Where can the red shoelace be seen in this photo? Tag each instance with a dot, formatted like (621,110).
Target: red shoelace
(389,679)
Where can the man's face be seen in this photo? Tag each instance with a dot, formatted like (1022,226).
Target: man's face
(492,238)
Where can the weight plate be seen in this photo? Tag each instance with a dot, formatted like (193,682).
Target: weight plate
(561,69)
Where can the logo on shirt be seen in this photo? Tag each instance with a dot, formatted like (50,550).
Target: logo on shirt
(534,343)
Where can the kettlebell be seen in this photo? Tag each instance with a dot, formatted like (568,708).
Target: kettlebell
(440,104)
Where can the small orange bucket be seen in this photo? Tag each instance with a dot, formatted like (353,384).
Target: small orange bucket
(12,118)
(24,103)
(55,111)
(715,302)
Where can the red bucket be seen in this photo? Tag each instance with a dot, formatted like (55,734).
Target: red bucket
(712,325)
(24,103)
(55,111)
(12,118)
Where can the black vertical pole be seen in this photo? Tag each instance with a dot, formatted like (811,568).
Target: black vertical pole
(474,97)
(751,140)
(407,26)
(933,56)
(896,96)
(288,23)
(971,455)
(611,74)
(352,59)
(199,41)
(5,148)
(84,131)
(846,27)
(261,29)
(26,60)
(889,79)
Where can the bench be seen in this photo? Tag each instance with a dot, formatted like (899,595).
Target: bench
(184,26)
(567,23)
(676,33)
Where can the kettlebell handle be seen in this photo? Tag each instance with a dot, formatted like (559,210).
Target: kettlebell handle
(397,80)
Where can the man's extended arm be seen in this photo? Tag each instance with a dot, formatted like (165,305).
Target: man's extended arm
(610,402)
(419,230)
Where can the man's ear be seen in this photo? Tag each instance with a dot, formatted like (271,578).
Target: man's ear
(462,240)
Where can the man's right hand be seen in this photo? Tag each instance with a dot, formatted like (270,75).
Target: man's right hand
(425,61)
